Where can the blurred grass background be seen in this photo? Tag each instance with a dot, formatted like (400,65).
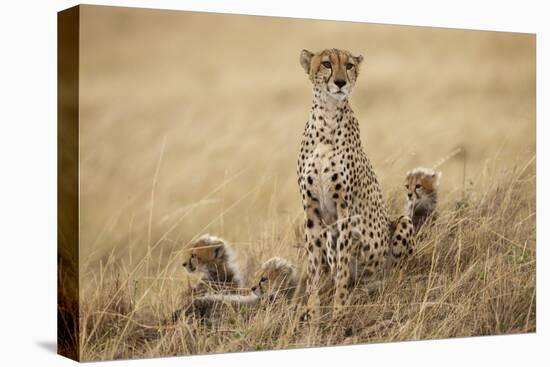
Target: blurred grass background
(191,122)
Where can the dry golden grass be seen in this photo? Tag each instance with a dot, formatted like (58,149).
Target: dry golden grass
(473,274)
(190,123)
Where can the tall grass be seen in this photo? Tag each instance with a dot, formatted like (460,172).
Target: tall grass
(473,274)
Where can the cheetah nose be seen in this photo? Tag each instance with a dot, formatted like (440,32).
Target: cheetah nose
(253,289)
(410,195)
(184,264)
(340,83)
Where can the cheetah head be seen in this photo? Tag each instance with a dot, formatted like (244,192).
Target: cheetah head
(205,253)
(276,277)
(421,183)
(333,72)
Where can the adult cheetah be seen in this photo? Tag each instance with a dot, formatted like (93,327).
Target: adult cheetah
(346,222)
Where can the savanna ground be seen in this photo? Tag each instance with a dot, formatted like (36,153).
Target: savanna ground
(191,123)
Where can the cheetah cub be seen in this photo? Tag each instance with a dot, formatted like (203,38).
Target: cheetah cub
(277,279)
(421,184)
(214,260)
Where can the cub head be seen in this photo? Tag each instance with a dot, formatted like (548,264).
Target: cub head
(276,276)
(420,183)
(205,253)
(332,71)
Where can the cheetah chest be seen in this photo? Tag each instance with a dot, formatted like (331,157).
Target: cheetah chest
(322,167)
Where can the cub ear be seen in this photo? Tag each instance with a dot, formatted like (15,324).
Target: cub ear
(305,60)
(288,271)
(358,59)
(219,250)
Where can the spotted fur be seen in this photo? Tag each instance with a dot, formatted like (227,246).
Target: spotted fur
(346,222)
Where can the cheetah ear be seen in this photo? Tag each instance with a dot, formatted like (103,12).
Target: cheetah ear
(219,251)
(305,60)
(358,59)
(288,271)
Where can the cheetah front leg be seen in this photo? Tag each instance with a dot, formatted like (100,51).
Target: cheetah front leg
(343,257)
(343,277)
(315,241)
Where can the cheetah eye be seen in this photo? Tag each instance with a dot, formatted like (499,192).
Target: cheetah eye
(349,66)
(326,64)
(407,186)
(418,186)
(263,279)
